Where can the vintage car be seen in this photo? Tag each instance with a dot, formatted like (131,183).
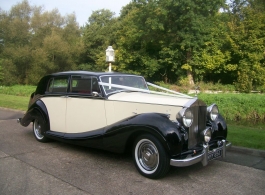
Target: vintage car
(117,112)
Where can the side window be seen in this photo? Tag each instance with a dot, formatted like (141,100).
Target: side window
(58,85)
(84,84)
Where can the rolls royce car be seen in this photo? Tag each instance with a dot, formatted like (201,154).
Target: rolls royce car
(119,113)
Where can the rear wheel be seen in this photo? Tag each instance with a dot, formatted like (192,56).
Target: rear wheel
(38,128)
(150,157)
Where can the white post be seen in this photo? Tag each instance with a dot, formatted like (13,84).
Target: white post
(110,77)
(110,57)
(109,82)
(110,67)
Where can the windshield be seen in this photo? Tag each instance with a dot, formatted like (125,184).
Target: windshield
(112,84)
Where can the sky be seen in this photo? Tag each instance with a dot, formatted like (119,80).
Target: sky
(82,8)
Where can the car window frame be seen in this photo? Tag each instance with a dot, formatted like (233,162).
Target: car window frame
(51,79)
(120,75)
(84,94)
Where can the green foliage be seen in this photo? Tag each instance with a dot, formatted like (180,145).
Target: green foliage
(238,107)
(184,81)
(1,71)
(244,82)
(18,90)
(36,43)
(9,73)
(99,33)
(246,41)
(174,41)
(261,88)
(215,87)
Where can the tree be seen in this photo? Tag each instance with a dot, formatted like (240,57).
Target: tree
(144,46)
(211,62)
(99,33)
(1,71)
(161,37)
(15,40)
(247,43)
(192,21)
(36,42)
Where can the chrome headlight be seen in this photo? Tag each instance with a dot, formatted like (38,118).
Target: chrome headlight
(185,117)
(207,134)
(212,112)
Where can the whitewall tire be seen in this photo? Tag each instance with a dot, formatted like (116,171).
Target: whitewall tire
(150,157)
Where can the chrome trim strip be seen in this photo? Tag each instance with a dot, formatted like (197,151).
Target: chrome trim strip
(203,157)
(190,102)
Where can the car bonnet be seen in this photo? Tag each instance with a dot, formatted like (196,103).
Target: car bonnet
(148,98)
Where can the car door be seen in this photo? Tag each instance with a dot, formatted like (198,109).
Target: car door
(85,113)
(55,102)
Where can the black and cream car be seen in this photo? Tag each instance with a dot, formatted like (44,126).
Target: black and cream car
(117,112)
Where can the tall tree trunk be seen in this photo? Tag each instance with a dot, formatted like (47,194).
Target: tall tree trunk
(190,77)
(189,72)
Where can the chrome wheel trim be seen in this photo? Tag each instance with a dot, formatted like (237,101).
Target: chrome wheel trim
(37,129)
(146,156)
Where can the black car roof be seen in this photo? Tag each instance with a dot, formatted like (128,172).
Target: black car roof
(89,73)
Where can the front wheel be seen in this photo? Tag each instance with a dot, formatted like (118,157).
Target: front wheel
(38,128)
(150,157)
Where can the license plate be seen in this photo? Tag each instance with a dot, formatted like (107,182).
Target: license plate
(215,154)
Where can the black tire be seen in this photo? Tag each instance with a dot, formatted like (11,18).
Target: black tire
(39,127)
(150,157)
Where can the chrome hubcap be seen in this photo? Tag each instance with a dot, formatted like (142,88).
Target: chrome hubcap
(148,155)
(37,129)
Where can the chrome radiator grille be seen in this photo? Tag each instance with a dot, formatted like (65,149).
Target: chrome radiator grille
(199,124)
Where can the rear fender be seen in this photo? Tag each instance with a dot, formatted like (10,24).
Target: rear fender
(36,109)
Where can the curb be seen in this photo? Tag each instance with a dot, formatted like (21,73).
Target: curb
(249,151)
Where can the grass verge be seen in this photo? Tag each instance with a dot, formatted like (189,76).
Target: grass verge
(249,137)
(14,102)
(19,90)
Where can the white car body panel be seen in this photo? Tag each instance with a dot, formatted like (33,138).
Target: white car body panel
(75,115)
(78,115)
(85,114)
(126,104)
(56,107)
(149,98)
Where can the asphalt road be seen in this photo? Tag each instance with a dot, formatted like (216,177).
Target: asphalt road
(30,167)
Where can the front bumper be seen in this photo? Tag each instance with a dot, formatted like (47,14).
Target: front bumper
(203,157)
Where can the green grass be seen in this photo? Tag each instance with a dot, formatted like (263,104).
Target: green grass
(14,102)
(16,97)
(18,90)
(249,137)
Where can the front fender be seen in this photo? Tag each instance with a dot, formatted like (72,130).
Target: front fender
(37,108)
(118,135)
(219,127)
